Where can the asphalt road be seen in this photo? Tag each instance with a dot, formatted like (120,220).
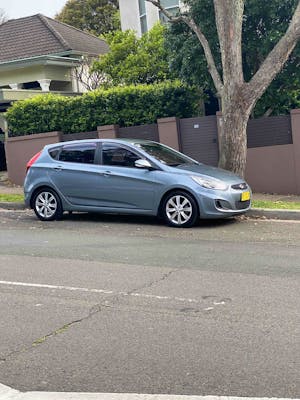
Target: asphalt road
(125,304)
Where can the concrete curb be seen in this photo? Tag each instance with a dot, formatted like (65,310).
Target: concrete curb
(269,213)
(265,213)
(7,205)
(6,393)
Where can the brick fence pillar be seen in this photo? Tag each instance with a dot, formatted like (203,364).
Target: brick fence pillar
(108,131)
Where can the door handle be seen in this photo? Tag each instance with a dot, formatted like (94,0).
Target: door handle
(107,173)
(58,168)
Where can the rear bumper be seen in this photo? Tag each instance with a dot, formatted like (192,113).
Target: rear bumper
(27,199)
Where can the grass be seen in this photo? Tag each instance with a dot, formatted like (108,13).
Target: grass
(12,198)
(281,205)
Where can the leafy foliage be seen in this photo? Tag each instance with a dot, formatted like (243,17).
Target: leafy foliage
(186,54)
(133,60)
(264,24)
(95,16)
(126,106)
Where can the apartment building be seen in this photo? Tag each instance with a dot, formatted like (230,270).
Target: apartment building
(140,15)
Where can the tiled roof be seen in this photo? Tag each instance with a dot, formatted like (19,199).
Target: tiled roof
(39,35)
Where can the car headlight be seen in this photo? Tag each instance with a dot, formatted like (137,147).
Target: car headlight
(210,183)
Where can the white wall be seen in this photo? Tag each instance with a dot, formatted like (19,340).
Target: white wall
(130,15)
(152,15)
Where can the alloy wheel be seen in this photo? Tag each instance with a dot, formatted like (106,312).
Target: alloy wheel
(179,210)
(47,205)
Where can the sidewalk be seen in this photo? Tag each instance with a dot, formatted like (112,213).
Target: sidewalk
(7,188)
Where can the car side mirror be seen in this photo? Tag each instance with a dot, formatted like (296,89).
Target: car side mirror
(144,164)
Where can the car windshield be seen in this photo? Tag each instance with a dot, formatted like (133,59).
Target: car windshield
(165,155)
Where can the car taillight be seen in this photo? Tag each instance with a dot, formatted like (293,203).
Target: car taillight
(32,161)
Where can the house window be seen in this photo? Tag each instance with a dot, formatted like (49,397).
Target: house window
(172,6)
(143,16)
(31,86)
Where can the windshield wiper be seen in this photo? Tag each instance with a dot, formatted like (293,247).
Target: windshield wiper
(186,163)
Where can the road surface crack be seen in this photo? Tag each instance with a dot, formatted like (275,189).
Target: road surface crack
(39,341)
(153,283)
(117,298)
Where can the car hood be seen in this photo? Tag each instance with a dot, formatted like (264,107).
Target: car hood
(207,170)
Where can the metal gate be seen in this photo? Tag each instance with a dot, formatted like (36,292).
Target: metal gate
(2,155)
(199,139)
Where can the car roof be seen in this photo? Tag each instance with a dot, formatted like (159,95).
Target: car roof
(120,141)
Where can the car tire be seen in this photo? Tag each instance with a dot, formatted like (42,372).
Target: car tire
(180,210)
(47,205)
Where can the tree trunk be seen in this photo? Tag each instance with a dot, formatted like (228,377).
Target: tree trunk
(235,114)
(233,138)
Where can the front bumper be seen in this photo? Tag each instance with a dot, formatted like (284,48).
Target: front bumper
(222,204)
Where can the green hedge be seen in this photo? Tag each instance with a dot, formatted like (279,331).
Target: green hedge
(126,106)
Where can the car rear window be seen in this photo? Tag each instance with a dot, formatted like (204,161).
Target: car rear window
(54,153)
(82,153)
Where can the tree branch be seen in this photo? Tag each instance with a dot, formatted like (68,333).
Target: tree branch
(229,20)
(208,54)
(171,17)
(202,39)
(276,58)
(89,79)
(3,17)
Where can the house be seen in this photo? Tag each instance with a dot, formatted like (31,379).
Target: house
(140,15)
(39,54)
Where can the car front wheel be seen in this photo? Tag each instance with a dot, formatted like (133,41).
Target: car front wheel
(180,210)
(47,205)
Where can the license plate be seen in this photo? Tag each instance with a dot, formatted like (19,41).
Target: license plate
(245,196)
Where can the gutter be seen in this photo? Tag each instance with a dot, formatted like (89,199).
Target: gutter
(254,213)
(39,60)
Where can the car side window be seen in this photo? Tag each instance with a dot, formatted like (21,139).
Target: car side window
(79,153)
(54,153)
(114,154)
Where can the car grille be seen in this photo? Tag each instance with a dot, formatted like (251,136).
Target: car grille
(241,205)
(240,186)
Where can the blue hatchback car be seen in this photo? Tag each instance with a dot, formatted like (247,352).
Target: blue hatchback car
(131,177)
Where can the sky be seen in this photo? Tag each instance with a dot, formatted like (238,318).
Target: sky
(23,8)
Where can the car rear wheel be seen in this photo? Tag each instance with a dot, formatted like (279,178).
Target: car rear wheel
(180,210)
(47,205)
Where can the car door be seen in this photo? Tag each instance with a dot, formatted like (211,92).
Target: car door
(75,175)
(126,186)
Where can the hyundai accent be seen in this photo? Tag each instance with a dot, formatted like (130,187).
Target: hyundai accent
(130,177)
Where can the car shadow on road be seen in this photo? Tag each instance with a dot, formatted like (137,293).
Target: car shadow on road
(141,220)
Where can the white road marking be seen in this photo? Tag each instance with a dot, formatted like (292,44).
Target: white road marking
(6,393)
(100,291)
